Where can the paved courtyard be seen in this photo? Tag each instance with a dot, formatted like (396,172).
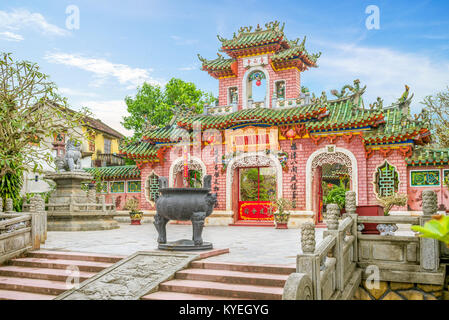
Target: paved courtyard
(247,244)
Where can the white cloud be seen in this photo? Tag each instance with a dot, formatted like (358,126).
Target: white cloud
(111,112)
(383,70)
(188,68)
(103,69)
(19,19)
(74,92)
(10,36)
(183,42)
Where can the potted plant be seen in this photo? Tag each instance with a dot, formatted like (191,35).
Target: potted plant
(136,216)
(279,208)
(396,199)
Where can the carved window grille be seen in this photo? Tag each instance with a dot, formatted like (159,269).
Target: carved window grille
(133,186)
(427,178)
(153,187)
(118,187)
(387,180)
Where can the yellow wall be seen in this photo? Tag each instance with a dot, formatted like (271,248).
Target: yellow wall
(99,143)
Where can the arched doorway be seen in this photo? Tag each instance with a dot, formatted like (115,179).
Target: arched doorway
(197,170)
(251,179)
(330,165)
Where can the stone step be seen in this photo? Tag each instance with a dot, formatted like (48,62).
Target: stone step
(20,295)
(236,277)
(41,273)
(79,256)
(89,266)
(167,295)
(244,267)
(48,287)
(222,289)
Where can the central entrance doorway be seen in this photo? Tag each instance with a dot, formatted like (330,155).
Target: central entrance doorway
(257,185)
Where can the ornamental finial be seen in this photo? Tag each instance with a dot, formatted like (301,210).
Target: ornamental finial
(282,28)
(220,38)
(201,58)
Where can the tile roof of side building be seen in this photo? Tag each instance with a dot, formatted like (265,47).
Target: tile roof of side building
(96,124)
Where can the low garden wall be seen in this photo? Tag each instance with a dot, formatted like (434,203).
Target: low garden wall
(20,232)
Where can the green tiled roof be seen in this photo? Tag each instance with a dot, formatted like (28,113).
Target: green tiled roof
(294,52)
(428,156)
(166,134)
(258,115)
(246,39)
(217,64)
(343,114)
(115,172)
(141,148)
(397,127)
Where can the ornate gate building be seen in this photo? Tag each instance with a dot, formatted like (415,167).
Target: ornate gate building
(268,135)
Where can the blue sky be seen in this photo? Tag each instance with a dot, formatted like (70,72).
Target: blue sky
(120,44)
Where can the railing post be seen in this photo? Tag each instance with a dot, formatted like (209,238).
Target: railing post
(351,208)
(92,194)
(333,211)
(307,262)
(430,255)
(350,203)
(9,206)
(103,203)
(355,252)
(35,224)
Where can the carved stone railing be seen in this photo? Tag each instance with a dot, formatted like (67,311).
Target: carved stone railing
(331,266)
(402,257)
(83,207)
(256,104)
(20,232)
(335,269)
(219,110)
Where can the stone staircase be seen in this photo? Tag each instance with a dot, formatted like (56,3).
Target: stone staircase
(41,275)
(212,280)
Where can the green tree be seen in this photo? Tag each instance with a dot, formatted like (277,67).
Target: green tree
(31,113)
(438,108)
(153,105)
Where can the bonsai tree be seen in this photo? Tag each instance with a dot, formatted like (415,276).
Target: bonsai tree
(279,208)
(437,228)
(132,205)
(397,199)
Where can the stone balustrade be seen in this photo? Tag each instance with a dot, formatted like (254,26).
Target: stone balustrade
(337,267)
(20,232)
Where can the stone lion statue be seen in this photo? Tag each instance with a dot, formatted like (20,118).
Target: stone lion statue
(72,158)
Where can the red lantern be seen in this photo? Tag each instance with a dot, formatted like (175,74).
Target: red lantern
(258,83)
(291,133)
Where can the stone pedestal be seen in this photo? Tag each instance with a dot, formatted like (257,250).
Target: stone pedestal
(70,209)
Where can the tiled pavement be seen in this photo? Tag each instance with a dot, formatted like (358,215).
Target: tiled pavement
(263,245)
